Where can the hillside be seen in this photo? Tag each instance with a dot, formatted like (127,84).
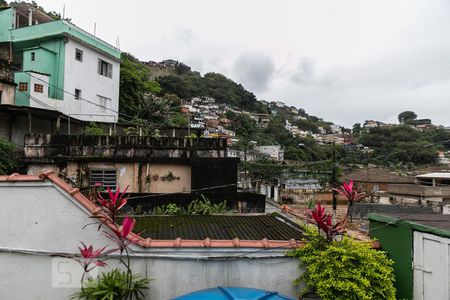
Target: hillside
(165,85)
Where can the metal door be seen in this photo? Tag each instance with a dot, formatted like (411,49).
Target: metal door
(431,266)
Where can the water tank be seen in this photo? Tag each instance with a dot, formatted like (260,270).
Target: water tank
(233,293)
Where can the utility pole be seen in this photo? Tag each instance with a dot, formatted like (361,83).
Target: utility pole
(334,180)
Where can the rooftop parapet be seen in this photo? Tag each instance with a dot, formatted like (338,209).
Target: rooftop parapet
(41,146)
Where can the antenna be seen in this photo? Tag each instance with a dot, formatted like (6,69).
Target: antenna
(64,11)
(95,28)
(118,43)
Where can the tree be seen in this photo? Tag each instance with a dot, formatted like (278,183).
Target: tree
(356,128)
(406,117)
(135,85)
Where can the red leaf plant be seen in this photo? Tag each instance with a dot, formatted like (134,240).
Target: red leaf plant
(90,258)
(349,191)
(121,234)
(115,202)
(323,220)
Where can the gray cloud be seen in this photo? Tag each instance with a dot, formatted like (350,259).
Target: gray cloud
(304,73)
(254,71)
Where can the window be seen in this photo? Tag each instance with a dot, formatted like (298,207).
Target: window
(104,102)
(78,54)
(104,177)
(38,88)
(23,86)
(77,94)
(104,68)
(33,56)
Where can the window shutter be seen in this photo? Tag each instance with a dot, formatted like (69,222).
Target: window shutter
(99,67)
(110,66)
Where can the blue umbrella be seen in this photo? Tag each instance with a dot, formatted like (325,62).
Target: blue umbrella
(233,293)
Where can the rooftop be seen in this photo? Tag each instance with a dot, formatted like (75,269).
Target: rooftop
(432,223)
(169,232)
(219,227)
(435,175)
(376,175)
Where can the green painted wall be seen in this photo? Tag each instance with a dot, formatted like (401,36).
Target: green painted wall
(6,22)
(49,59)
(397,241)
(22,98)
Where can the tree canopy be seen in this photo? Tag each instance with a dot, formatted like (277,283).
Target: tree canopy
(406,117)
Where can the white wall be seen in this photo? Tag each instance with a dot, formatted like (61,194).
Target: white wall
(41,100)
(84,76)
(39,217)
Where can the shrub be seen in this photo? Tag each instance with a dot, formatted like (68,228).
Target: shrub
(344,270)
(113,285)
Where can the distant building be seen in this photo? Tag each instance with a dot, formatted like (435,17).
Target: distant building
(59,66)
(275,152)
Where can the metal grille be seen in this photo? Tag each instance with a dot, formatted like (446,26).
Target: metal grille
(105,177)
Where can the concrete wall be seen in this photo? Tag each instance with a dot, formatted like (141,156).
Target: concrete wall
(38,219)
(7,92)
(183,184)
(84,76)
(362,210)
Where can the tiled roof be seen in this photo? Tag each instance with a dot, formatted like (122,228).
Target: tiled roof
(220,227)
(244,236)
(376,175)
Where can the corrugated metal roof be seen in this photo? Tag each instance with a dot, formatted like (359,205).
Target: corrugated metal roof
(433,223)
(219,227)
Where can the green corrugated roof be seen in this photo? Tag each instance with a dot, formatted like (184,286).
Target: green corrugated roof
(220,227)
(430,223)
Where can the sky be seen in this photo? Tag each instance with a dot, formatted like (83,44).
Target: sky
(345,61)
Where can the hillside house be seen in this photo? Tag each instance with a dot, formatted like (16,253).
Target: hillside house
(59,66)
(274,152)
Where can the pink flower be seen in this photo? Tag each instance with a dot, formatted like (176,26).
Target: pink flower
(115,202)
(90,256)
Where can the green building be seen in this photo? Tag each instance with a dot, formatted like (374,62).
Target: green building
(59,66)
(419,244)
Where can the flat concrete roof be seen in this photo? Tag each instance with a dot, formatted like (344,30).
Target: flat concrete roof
(435,175)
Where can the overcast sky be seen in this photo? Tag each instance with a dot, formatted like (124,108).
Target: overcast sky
(344,61)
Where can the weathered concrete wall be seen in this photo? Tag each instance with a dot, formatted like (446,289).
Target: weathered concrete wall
(361,210)
(182,183)
(38,219)
(8,92)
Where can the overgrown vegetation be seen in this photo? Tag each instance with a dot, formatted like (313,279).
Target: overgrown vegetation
(346,269)
(93,129)
(202,206)
(9,161)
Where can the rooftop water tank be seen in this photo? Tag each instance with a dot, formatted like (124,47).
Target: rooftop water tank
(233,293)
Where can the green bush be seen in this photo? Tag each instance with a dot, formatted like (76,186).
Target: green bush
(9,161)
(113,285)
(344,270)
